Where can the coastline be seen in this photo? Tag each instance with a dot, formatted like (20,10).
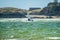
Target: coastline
(26,19)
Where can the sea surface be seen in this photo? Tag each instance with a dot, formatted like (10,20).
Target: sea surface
(15,29)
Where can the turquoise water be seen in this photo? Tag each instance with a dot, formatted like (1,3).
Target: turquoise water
(29,30)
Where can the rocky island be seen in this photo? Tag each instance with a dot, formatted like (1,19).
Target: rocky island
(52,10)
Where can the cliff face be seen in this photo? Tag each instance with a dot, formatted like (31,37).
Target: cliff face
(52,9)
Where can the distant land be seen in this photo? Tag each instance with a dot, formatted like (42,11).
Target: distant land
(10,12)
(52,10)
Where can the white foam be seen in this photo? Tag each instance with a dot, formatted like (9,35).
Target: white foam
(52,37)
(26,20)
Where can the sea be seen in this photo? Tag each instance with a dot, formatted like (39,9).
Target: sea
(22,29)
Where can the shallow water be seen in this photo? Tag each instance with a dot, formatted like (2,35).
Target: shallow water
(39,30)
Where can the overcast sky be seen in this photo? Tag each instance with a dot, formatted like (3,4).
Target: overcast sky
(24,4)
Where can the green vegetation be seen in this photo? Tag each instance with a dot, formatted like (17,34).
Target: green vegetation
(12,10)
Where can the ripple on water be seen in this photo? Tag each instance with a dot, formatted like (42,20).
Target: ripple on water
(29,30)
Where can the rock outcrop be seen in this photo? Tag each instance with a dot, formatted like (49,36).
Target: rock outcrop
(10,12)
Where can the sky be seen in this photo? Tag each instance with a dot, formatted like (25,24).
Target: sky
(24,4)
